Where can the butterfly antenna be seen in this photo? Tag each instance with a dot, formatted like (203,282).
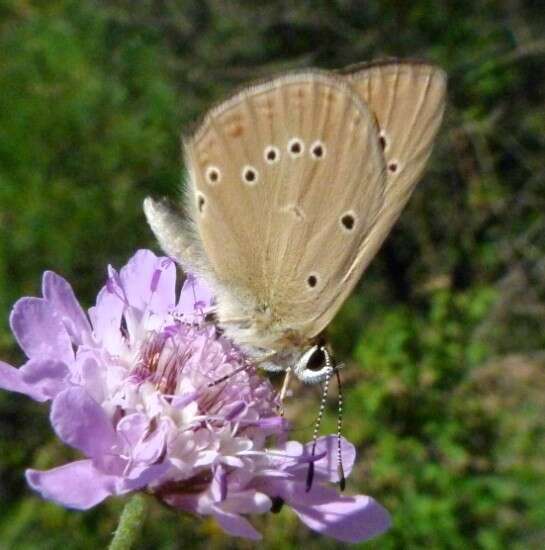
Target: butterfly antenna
(340,468)
(325,387)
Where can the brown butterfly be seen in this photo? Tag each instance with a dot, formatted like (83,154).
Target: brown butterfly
(294,183)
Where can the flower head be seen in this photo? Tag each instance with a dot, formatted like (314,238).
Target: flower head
(156,399)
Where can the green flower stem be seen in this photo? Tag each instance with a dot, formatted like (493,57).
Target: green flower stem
(130,523)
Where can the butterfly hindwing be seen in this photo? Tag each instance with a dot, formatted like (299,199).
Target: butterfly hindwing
(408,101)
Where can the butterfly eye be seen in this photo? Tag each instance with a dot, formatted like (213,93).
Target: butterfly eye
(250,175)
(271,154)
(295,147)
(317,360)
(213,175)
(314,366)
(348,221)
(312,280)
(317,150)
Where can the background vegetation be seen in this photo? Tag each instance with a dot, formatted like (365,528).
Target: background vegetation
(444,338)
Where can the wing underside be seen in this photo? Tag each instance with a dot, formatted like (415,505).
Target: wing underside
(295,183)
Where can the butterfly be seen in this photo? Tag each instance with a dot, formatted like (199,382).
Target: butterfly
(293,185)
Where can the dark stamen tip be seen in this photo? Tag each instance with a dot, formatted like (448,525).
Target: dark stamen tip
(310,476)
(342,483)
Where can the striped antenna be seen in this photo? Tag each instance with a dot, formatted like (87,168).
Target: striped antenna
(340,468)
(325,387)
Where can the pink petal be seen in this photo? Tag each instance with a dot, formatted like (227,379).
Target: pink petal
(92,373)
(181,401)
(218,487)
(47,377)
(235,525)
(246,502)
(132,427)
(58,292)
(75,485)
(163,286)
(39,329)
(82,423)
(11,380)
(145,442)
(328,465)
(232,461)
(195,295)
(149,282)
(348,519)
(106,319)
(144,475)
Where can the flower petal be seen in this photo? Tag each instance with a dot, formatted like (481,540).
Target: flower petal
(328,465)
(75,485)
(92,374)
(144,475)
(39,330)
(247,502)
(11,380)
(58,292)
(195,295)
(163,286)
(132,427)
(348,519)
(106,319)
(48,377)
(149,282)
(235,525)
(82,423)
(146,439)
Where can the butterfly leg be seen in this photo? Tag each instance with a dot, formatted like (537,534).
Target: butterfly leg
(284,390)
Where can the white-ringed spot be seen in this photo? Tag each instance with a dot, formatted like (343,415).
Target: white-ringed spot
(271,154)
(250,176)
(317,150)
(296,147)
(213,175)
(393,166)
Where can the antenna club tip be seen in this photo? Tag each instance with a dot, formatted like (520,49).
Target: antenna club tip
(342,478)
(310,476)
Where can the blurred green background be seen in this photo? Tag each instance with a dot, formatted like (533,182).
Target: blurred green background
(444,337)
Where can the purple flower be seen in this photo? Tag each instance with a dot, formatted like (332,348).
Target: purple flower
(132,388)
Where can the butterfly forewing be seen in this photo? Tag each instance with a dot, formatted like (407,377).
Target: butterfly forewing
(287,179)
